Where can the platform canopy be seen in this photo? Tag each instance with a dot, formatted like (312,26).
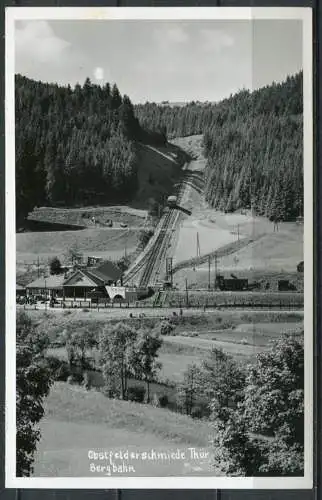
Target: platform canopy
(54,282)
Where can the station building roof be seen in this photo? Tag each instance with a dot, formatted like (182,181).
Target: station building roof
(53,282)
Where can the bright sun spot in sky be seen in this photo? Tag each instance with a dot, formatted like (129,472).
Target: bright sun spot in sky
(99,73)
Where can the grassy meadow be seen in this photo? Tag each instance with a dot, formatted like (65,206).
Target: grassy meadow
(77,420)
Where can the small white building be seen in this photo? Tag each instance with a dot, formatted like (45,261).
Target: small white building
(122,293)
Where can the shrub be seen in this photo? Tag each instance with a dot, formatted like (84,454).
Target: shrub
(55,266)
(86,381)
(166,328)
(60,369)
(200,411)
(136,393)
(75,378)
(164,401)
(155,401)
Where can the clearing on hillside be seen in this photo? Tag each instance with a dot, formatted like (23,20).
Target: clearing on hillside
(91,217)
(107,243)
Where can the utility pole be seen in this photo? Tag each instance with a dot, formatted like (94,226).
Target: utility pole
(38,270)
(45,293)
(216,270)
(187,298)
(209,272)
(198,246)
(238,232)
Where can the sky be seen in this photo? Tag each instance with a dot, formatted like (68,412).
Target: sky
(156,61)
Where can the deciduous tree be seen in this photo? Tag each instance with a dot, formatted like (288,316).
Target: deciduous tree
(116,353)
(55,266)
(264,433)
(144,364)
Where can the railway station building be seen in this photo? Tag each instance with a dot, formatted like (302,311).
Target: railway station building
(84,283)
(99,283)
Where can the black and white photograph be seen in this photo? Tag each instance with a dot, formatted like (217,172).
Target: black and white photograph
(159,243)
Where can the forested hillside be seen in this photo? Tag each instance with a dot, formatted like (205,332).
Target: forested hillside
(253,144)
(254,149)
(75,145)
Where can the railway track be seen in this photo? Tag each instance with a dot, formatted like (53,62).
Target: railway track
(150,264)
(158,252)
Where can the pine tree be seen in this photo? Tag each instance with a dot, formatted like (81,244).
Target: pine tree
(116,99)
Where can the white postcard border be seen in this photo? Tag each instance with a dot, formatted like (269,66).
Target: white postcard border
(156,13)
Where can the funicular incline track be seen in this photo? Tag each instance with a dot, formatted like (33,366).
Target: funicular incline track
(154,257)
(159,249)
(160,243)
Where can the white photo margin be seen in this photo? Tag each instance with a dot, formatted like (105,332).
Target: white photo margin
(155,13)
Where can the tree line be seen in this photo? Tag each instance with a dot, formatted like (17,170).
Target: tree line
(75,145)
(253,144)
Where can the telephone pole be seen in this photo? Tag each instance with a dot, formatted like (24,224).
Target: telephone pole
(216,270)
(209,272)
(187,298)
(198,246)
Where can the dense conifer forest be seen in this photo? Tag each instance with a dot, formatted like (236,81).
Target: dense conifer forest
(78,146)
(75,145)
(253,144)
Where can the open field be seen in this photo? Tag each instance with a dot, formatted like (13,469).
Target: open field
(107,243)
(88,420)
(281,250)
(82,216)
(243,341)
